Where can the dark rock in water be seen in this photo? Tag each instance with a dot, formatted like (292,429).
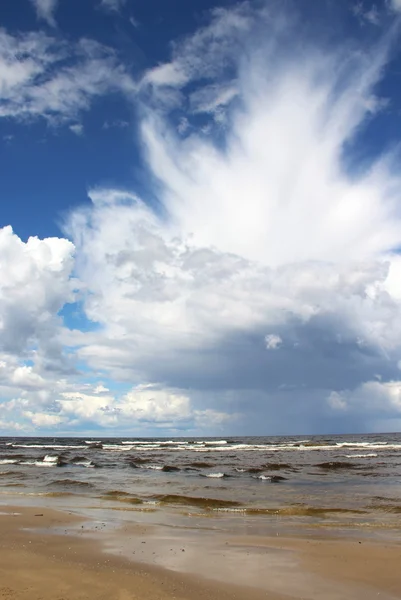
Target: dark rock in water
(169,469)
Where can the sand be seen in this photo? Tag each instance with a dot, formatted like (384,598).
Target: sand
(36,564)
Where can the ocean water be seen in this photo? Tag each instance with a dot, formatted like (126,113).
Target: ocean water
(352,480)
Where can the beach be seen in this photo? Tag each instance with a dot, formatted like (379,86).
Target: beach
(43,556)
(243,518)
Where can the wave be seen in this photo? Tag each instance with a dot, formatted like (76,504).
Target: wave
(46,446)
(214,443)
(372,455)
(388,508)
(88,464)
(214,475)
(120,496)
(72,483)
(14,474)
(57,494)
(37,463)
(200,465)
(336,465)
(277,466)
(80,461)
(210,446)
(170,469)
(271,478)
(292,511)
(207,503)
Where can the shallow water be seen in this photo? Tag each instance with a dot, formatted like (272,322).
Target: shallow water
(338,480)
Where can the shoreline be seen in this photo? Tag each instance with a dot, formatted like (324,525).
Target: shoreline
(142,560)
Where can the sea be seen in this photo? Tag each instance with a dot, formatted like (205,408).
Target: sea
(333,480)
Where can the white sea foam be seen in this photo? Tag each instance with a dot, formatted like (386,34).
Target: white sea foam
(214,475)
(215,443)
(153,467)
(371,455)
(48,446)
(8,461)
(84,463)
(38,463)
(51,459)
(231,510)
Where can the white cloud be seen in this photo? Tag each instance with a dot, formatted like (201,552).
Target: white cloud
(142,408)
(297,244)
(370,15)
(11,427)
(45,10)
(269,231)
(372,398)
(34,285)
(25,377)
(43,77)
(77,128)
(167,74)
(205,55)
(43,420)
(273,341)
(210,98)
(395,5)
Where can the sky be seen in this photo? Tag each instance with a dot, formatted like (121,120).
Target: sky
(200,217)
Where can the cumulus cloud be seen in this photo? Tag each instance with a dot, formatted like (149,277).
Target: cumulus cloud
(270,231)
(45,10)
(44,77)
(141,410)
(262,232)
(379,402)
(34,285)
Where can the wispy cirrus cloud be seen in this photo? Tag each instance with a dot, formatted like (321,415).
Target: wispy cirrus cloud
(42,77)
(45,10)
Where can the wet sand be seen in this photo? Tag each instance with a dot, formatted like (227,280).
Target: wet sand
(47,555)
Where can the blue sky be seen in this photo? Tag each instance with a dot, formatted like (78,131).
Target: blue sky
(200,217)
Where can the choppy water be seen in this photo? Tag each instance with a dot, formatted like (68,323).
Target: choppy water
(353,480)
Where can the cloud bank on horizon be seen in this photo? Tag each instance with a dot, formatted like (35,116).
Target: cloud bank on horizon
(254,285)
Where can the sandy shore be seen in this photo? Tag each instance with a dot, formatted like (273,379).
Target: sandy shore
(43,557)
